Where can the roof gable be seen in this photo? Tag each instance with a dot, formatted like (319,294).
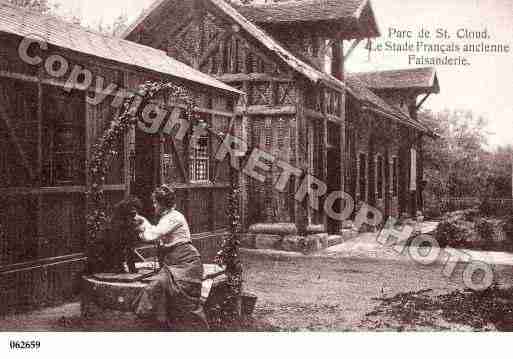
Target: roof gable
(254,31)
(421,79)
(359,90)
(25,23)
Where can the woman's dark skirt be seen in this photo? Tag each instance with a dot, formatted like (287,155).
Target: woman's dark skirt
(174,297)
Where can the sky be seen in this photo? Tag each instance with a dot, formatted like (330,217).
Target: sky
(485,86)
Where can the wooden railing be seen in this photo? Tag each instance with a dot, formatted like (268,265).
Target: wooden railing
(497,206)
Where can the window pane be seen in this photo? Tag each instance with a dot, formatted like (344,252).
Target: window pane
(200,160)
(63,137)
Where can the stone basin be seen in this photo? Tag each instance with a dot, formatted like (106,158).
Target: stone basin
(113,291)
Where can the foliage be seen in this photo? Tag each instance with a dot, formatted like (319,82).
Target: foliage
(487,229)
(42,6)
(102,155)
(104,151)
(460,163)
(229,257)
(457,229)
(480,310)
(116,28)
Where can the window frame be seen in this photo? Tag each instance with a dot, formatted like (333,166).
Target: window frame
(205,159)
(49,177)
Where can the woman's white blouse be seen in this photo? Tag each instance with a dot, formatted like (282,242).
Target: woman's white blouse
(172,229)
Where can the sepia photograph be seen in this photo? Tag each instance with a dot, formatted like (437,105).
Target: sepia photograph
(255,166)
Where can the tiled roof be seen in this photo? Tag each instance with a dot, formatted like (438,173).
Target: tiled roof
(359,89)
(302,10)
(55,31)
(345,12)
(420,78)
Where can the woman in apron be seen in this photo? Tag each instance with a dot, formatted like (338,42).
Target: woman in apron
(174,297)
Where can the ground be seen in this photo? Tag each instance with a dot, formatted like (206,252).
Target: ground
(356,286)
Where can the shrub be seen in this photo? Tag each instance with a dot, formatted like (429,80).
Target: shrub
(445,232)
(455,232)
(486,230)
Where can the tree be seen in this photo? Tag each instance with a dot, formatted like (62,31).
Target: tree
(456,162)
(116,28)
(42,6)
(500,174)
(460,163)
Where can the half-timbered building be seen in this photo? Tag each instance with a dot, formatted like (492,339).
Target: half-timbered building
(301,105)
(49,122)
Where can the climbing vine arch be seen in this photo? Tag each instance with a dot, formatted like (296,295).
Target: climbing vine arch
(104,150)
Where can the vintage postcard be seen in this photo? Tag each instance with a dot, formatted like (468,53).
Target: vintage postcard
(255,166)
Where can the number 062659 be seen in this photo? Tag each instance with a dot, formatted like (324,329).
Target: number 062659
(24,345)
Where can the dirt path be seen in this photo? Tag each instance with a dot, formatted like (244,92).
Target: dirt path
(296,292)
(323,293)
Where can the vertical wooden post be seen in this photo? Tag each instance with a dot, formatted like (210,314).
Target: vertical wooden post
(300,209)
(324,167)
(337,60)
(344,155)
(129,147)
(40,203)
(420,175)
(243,102)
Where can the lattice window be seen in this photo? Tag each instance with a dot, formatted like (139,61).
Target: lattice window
(200,160)
(281,132)
(268,133)
(64,137)
(284,94)
(261,93)
(167,164)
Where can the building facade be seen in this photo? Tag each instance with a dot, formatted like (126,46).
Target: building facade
(301,105)
(49,122)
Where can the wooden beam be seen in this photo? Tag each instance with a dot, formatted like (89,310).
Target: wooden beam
(40,203)
(5,270)
(422,101)
(266,110)
(337,59)
(169,106)
(194,185)
(324,168)
(333,118)
(251,77)
(18,76)
(351,49)
(213,47)
(23,156)
(313,114)
(14,191)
